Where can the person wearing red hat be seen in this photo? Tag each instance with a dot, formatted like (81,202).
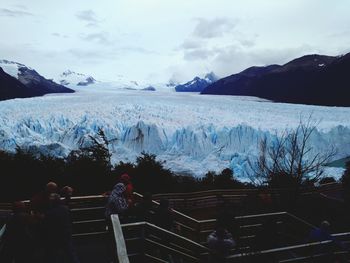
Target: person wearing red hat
(129,192)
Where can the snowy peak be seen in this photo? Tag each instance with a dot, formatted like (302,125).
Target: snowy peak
(197,84)
(69,73)
(87,81)
(211,77)
(12,68)
(73,79)
(77,81)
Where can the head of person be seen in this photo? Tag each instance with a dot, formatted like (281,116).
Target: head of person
(51,188)
(18,207)
(125,179)
(67,192)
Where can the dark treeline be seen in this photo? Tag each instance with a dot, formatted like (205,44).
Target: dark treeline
(89,171)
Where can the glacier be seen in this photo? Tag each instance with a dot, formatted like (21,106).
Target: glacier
(193,133)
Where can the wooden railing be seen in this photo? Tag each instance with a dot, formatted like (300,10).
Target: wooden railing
(2,232)
(194,200)
(146,242)
(298,253)
(198,230)
(213,198)
(88,219)
(122,255)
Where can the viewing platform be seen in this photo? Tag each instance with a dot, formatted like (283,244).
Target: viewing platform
(146,242)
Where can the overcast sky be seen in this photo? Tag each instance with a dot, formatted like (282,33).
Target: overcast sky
(159,40)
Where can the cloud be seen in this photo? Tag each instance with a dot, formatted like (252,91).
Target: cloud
(213,28)
(99,37)
(247,42)
(233,59)
(89,17)
(92,55)
(136,49)
(59,35)
(210,36)
(190,44)
(14,12)
(198,54)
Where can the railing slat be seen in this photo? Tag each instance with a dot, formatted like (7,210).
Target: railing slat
(119,239)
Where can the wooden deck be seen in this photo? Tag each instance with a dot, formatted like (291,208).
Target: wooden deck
(145,242)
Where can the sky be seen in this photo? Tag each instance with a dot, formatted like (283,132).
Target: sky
(168,40)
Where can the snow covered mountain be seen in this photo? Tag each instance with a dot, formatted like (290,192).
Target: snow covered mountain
(79,81)
(193,133)
(197,84)
(33,84)
(73,79)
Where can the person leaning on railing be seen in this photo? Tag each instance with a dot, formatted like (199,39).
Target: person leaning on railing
(220,242)
(322,233)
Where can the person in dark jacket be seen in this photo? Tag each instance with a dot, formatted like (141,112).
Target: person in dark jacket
(323,233)
(40,202)
(116,203)
(57,227)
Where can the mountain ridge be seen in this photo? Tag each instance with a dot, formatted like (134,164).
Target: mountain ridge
(20,81)
(197,84)
(311,79)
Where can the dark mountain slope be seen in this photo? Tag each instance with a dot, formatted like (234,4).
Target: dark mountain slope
(11,88)
(312,79)
(25,83)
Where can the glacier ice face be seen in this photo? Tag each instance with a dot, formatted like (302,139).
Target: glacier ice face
(193,133)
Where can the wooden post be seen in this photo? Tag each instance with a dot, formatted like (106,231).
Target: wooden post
(119,240)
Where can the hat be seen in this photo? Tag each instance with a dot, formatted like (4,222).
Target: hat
(125,178)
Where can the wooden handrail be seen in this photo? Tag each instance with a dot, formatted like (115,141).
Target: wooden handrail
(261,215)
(2,231)
(147,224)
(288,248)
(175,211)
(201,247)
(312,257)
(311,189)
(119,239)
(301,220)
(215,192)
(177,245)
